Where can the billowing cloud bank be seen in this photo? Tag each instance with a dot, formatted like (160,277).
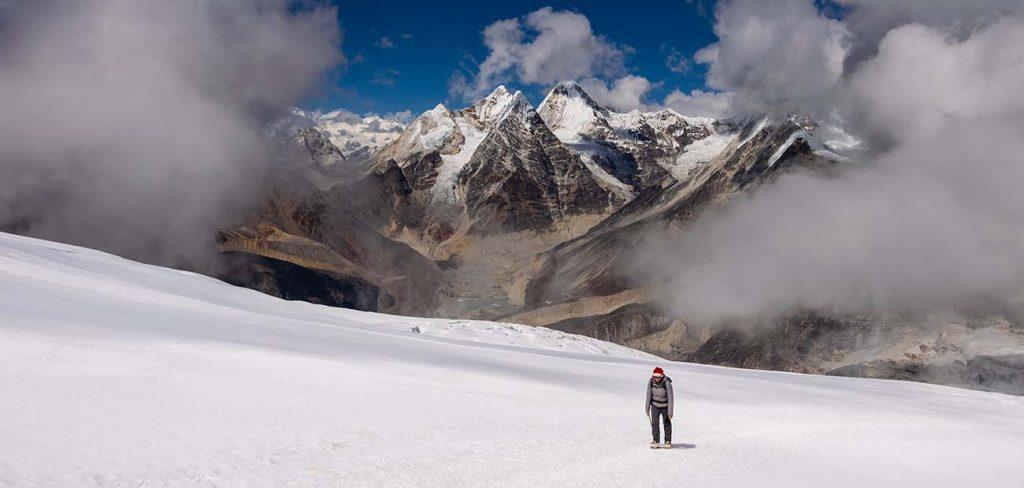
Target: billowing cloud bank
(933,215)
(138,126)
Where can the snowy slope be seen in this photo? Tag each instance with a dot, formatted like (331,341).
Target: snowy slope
(115,373)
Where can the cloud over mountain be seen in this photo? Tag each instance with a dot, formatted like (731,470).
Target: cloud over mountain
(931,215)
(547,46)
(543,47)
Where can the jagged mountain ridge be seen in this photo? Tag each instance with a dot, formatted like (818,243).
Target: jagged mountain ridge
(636,149)
(481,191)
(492,191)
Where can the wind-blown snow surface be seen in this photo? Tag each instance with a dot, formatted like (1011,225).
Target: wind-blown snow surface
(114,373)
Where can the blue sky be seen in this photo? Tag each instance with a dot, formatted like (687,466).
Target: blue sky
(402,54)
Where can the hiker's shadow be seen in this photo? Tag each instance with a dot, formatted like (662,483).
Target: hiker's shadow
(684,446)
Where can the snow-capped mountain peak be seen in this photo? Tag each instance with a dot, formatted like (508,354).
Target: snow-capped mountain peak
(517,106)
(434,130)
(570,112)
(654,141)
(492,108)
(572,90)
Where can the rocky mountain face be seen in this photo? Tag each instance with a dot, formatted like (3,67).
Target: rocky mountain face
(502,211)
(522,178)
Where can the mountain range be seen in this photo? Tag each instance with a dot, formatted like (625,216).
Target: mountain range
(506,211)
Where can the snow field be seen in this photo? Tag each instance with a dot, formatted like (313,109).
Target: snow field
(115,373)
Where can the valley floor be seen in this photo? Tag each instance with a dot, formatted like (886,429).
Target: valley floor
(114,373)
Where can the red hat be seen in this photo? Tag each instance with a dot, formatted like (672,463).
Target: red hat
(659,371)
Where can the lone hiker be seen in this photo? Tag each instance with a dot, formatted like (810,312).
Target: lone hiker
(659,404)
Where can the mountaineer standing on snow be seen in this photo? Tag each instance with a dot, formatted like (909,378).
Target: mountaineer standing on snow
(659,404)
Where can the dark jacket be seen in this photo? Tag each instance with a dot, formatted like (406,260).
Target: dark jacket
(659,395)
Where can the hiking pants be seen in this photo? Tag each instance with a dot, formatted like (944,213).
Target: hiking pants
(657,412)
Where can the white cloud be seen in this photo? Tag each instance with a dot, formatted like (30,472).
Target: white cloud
(623,94)
(776,56)
(700,103)
(139,126)
(871,20)
(385,42)
(544,47)
(404,116)
(929,78)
